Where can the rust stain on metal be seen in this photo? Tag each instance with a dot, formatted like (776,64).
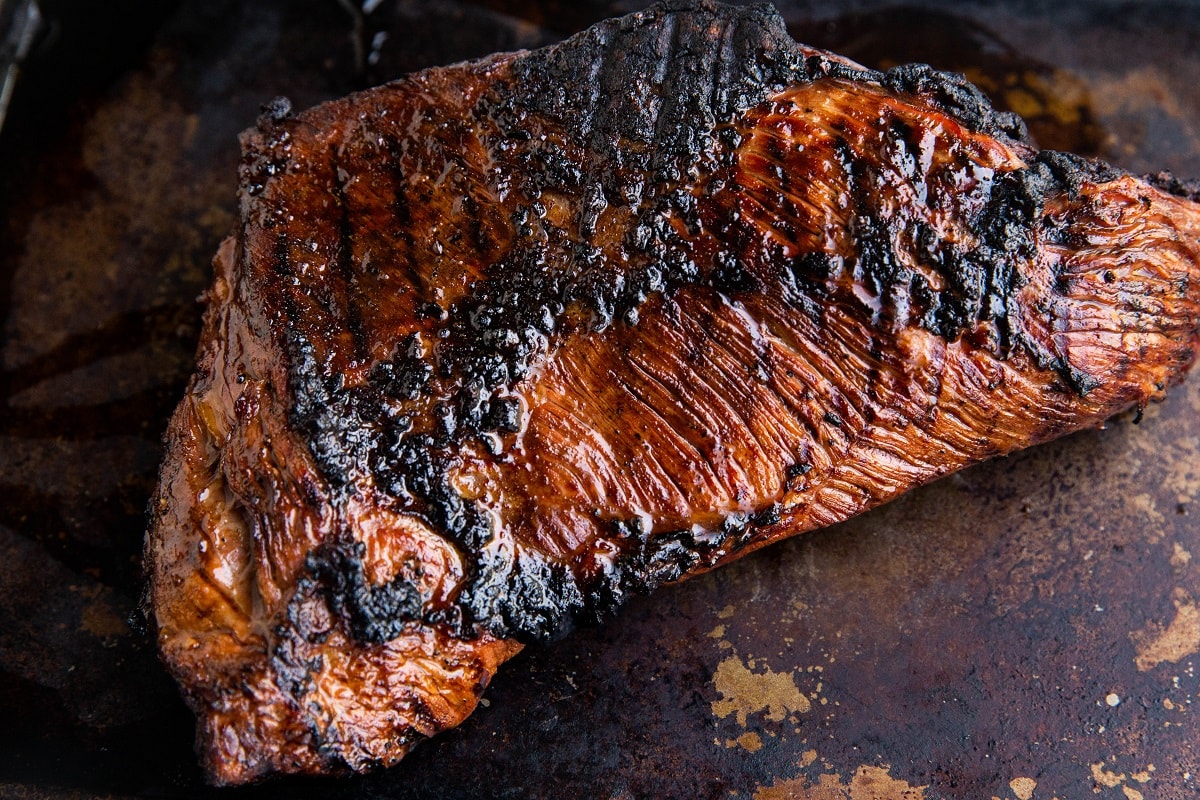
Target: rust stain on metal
(1181,638)
(1136,92)
(749,741)
(1104,778)
(1145,504)
(1023,787)
(745,691)
(867,783)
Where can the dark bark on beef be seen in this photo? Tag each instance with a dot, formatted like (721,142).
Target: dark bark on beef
(1172,184)
(644,92)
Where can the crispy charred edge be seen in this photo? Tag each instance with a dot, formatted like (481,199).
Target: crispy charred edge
(1187,188)
(640,146)
(649,560)
(244,737)
(1066,175)
(219,687)
(642,92)
(957,97)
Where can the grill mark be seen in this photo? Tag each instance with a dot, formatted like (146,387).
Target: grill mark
(666,73)
(769,211)
(723,64)
(402,211)
(592,83)
(344,259)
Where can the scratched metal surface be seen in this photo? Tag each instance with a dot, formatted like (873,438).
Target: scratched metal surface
(1026,629)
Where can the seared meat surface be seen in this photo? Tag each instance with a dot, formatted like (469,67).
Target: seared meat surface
(499,344)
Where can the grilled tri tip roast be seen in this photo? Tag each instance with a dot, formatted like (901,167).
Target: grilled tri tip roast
(498,345)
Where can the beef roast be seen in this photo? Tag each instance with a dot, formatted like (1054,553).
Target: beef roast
(500,344)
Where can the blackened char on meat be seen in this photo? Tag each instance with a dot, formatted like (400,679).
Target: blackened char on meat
(499,344)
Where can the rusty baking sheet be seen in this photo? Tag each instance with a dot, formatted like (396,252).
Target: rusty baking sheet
(1027,629)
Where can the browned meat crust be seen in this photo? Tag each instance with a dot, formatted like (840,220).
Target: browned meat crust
(499,344)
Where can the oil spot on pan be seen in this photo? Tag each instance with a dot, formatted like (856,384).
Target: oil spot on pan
(102,619)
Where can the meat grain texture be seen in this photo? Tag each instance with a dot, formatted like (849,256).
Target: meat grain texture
(500,344)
